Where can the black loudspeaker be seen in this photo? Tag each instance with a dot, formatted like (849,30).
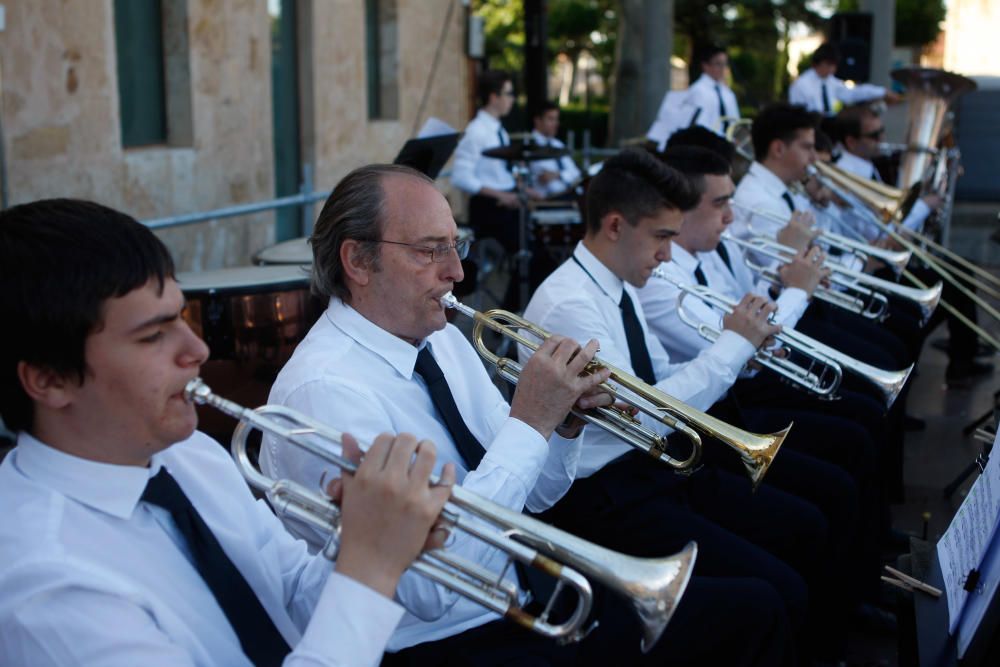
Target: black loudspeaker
(852,33)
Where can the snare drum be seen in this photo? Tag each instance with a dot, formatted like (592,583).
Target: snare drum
(251,318)
(294,251)
(558,229)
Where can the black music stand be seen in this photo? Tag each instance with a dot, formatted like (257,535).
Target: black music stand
(429,154)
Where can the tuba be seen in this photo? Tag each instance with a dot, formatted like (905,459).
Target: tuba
(653,586)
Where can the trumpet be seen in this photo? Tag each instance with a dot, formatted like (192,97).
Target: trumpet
(895,259)
(653,586)
(822,376)
(828,360)
(757,451)
(925,299)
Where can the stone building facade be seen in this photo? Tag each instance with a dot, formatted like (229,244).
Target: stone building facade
(62,120)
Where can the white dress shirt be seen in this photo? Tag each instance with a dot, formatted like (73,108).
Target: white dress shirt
(564,166)
(359,378)
(660,299)
(761,190)
(581,302)
(471,171)
(859,166)
(674,114)
(703,99)
(92,575)
(807,90)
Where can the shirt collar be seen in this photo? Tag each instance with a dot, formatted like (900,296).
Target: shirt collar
(398,353)
(485,117)
(539,139)
(108,488)
(682,258)
(706,80)
(768,180)
(606,280)
(852,162)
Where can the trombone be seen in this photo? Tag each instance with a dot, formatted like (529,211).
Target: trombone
(821,377)
(757,451)
(830,361)
(881,213)
(653,586)
(926,299)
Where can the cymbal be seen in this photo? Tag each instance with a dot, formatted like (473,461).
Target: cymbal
(521,152)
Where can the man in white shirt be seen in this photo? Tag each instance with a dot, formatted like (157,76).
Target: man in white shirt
(385,252)
(128,537)
(859,131)
(818,89)
(634,207)
(552,177)
(712,102)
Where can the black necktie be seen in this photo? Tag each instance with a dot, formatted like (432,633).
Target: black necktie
(724,254)
(562,166)
(470,448)
(722,109)
(261,641)
(699,275)
(826,98)
(788,200)
(642,365)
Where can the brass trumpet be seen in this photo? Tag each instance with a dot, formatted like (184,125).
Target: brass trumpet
(756,450)
(653,586)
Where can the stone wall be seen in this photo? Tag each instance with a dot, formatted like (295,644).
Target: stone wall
(61,116)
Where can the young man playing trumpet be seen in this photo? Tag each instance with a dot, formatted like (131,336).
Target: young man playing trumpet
(382,357)
(129,538)
(634,208)
(844,431)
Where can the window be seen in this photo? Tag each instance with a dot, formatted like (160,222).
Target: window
(382,59)
(154,78)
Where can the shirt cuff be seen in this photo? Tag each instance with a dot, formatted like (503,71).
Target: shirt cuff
(791,303)
(519,449)
(351,624)
(733,350)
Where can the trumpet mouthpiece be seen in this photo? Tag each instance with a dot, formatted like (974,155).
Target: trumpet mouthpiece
(196,391)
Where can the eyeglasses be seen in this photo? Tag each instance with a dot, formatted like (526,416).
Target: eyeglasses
(439,253)
(874,134)
(507,93)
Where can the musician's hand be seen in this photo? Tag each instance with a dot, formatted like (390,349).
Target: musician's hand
(751,319)
(818,193)
(534,194)
(933,200)
(507,199)
(551,383)
(799,233)
(389,510)
(892,98)
(547,176)
(805,271)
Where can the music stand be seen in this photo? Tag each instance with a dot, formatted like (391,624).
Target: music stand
(429,154)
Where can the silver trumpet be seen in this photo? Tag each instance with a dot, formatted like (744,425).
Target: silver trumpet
(821,376)
(653,586)
(888,383)
(756,450)
(925,299)
(895,259)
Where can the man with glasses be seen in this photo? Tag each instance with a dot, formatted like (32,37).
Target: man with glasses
(712,102)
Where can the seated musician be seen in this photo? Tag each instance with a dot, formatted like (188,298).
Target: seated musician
(845,431)
(859,130)
(634,208)
(382,357)
(818,89)
(556,176)
(129,538)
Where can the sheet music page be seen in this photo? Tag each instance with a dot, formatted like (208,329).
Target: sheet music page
(964,545)
(435,127)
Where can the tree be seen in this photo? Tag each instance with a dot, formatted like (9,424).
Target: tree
(918,22)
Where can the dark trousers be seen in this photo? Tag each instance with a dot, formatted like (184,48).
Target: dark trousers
(719,621)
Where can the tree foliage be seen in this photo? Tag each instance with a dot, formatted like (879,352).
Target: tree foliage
(918,22)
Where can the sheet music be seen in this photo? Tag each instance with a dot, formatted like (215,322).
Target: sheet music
(966,545)
(435,127)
